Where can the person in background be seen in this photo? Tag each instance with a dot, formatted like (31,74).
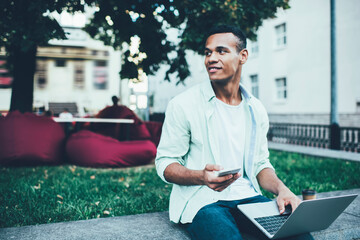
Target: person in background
(122,132)
(115,100)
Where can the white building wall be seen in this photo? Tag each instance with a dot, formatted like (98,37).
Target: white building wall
(60,85)
(348,54)
(305,61)
(5,98)
(164,91)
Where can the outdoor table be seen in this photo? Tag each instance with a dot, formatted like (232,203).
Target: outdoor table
(94,120)
(98,120)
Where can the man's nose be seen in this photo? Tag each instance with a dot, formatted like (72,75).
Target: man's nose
(213,57)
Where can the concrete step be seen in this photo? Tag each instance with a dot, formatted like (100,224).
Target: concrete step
(157,226)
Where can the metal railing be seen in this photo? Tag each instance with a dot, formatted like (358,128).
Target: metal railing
(313,135)
(350,139)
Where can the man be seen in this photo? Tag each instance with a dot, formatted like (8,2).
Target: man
(214,125)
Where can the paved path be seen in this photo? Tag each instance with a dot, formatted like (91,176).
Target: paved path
(157,226)
(319,152)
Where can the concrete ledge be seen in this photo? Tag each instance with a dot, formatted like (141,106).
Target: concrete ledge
(318,152)
(157,226)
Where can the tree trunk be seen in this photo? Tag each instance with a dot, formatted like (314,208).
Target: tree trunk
(24,65)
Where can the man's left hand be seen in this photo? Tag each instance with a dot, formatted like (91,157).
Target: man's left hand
(285,198)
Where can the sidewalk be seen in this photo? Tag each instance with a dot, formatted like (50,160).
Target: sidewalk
(318,152)
(157,226)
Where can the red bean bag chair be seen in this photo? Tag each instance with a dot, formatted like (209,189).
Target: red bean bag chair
(90,149)
(27,139)
(155,129)
(121,131)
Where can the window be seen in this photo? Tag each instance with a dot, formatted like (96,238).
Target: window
(281,92)
(5,77)
(79,79)
(254,85)
(60,63)
(41,74)
(280,31)
(142,101)
(100,75)
(254,48)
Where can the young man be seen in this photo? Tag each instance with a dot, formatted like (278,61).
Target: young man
(214,125)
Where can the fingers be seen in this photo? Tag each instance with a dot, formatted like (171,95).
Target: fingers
(225,179)
(281,205)
(223,185)
(218,183)
(213,167)
(294,202)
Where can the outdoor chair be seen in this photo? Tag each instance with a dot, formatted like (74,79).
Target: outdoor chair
(27,139)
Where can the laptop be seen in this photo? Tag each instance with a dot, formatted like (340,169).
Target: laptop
(309,216)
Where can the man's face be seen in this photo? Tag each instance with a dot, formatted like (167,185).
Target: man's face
(222,61)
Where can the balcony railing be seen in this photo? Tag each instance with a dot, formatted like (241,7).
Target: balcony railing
(313,135)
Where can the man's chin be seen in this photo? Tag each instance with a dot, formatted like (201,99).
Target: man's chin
(218,80)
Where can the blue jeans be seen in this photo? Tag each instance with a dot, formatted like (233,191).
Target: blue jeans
(223,221)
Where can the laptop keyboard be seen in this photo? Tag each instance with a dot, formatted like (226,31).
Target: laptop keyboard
(272,223)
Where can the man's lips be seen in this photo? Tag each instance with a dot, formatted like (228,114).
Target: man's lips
(213,69)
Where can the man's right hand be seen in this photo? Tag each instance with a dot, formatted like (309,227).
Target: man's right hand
(217,183)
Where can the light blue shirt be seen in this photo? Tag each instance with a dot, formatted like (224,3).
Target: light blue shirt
(189,138)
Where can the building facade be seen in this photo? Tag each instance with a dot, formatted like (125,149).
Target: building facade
(289,65)
(77,70)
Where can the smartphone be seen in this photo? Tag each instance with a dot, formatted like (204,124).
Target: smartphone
(227,172)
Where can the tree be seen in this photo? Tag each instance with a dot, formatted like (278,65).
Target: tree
(149,20)
(25,25)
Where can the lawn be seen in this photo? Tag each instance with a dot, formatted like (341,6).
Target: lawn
(39,195)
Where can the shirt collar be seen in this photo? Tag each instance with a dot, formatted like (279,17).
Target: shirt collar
(209,93)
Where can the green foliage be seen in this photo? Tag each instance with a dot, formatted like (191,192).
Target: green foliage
(25,25)
(40,195)
(150,20)
(202,15)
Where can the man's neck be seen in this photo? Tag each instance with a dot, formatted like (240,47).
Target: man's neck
(228,92)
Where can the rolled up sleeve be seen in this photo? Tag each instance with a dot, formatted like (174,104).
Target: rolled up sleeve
(175,139)
(263,157)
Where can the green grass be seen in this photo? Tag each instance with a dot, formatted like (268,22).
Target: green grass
(300,171)
(39,195)
(55,194)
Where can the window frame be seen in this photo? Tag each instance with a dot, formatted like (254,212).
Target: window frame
(281,91)
(280,36)
(255,87)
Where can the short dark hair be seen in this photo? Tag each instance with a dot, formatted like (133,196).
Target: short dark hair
(230,29)
(115,99)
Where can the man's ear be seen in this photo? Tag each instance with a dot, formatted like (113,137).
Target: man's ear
(243,56)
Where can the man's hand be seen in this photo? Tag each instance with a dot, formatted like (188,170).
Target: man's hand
(270,182)
(285,198)
(217,183)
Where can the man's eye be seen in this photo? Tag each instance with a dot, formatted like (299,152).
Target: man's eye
(222,51)
(207,53)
